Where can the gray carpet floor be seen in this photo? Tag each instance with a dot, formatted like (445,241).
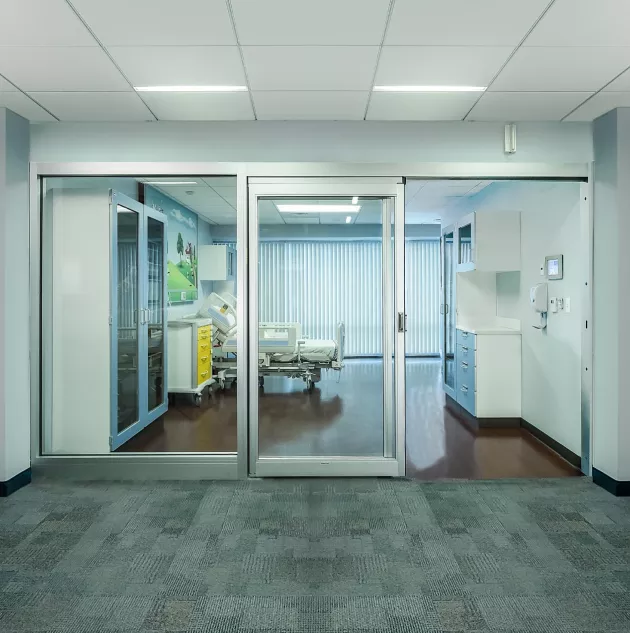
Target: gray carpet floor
(372,555)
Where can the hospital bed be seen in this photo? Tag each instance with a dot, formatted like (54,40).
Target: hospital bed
(282,350)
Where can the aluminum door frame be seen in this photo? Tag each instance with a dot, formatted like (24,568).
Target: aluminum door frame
(393,346)
(446,308)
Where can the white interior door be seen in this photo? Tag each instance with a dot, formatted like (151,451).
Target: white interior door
(326,376)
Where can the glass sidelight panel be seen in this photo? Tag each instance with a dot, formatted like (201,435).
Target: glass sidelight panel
(448,310)
(129,317)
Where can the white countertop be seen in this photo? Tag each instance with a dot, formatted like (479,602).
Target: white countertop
(488,329)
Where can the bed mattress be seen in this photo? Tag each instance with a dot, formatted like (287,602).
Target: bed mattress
(313,350)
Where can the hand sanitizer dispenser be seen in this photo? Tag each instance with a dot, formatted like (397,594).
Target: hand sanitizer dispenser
(539,300)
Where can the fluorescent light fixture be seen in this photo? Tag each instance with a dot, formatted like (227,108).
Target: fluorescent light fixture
(318,208)
(190,88)
(348,219)
(170,182)
(355,200)
(429,88)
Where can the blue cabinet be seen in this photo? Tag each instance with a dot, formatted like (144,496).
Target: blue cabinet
(465,364)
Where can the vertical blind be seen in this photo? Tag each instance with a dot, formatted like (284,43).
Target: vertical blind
(319,284)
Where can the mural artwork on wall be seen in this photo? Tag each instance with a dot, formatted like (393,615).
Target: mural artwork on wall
(182,246)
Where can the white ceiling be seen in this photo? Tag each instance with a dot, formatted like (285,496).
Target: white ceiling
(78,60)
(427,200)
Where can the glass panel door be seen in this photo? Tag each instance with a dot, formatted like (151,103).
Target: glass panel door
(322,330)
(126,318)
(155,313)
(138,302)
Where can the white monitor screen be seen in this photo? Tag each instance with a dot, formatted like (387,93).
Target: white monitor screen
(553,267)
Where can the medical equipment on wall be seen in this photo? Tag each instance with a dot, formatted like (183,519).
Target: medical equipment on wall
(539,301)
(554,267)
(282,350)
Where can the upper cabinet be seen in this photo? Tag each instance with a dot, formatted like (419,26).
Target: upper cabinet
(489,241)
(217,263)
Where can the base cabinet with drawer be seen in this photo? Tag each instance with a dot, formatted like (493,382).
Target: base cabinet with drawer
(488,373)
(190,356)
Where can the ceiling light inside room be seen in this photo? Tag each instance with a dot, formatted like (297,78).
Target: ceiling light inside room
(318,208)
(429,88)
(190,88)
(164,183)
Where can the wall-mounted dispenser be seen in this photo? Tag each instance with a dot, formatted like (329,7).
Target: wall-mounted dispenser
(539,300)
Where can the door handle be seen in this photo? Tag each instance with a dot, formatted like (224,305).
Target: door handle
(402,322)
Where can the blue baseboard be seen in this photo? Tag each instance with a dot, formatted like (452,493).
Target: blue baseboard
(617,488)
(15,483)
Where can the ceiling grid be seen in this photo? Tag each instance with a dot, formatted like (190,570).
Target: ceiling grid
(528,60)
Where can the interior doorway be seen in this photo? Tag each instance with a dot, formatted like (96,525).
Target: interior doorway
(326,286)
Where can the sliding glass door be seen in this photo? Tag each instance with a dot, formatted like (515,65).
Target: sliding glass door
(326,289)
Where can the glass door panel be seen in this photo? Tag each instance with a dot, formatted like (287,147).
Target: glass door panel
(155,314)
(323,333)
(128,318)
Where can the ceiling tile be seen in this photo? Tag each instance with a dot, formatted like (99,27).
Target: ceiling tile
(462,22)
(41,23)
(622,84)
(94,106)
(310,105)
(558,69)
(60,68)
(391,106)
(19,103)
(159,22)
(230,106)
(310,67)
(526,106)
(303,22)
(584,23)
(440,65)
(601,103)
(180,65)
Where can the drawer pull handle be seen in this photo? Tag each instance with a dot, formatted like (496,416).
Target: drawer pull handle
(464,365)
(204,373)
(204,359)
(464,349)
(464,334)
(204,346)
(465,389)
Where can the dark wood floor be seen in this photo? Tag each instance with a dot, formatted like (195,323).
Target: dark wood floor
(343,416)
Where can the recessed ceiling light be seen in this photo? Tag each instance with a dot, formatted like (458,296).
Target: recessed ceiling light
(348,219)
(170,182)
(355,200)
(190,88)
(429,88)
(318,208)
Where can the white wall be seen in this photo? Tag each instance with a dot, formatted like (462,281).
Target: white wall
(550,225)
(15,396)
(334,141)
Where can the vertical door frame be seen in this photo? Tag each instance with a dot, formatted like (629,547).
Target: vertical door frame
(323,466)
(444,315)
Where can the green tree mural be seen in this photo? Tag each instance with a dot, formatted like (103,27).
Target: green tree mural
(180,246)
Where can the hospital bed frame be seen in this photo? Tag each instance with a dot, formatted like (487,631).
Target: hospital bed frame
(275,339)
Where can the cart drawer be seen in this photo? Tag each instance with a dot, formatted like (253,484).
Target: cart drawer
(203,375)
(203,348)
(203,360)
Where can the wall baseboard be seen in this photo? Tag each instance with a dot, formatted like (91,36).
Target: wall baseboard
(474,423)
(563,451)
(15,483)
(617,488)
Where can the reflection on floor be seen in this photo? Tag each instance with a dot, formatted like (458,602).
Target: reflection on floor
(344,416)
